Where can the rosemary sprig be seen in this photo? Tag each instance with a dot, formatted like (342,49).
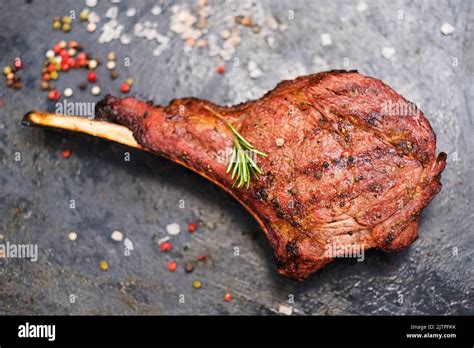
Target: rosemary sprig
(241,165)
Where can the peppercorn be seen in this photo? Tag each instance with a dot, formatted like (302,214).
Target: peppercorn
(66,153)
(166,246)
(46,77)
(56,25)
(92,77)
(17,85)
(124,88)
(172,266)
(66,27)
(228,297)
(84,15)
(192,227)
(53,75)
(110,65)
(68,92)
(44,85)
(83,86)
(220,69)
(92,64)
(197,284)
(95,90)
(7,70)
(189,267)
(114,75)
(91,27)
(54,94)
(104,265)
(111,56)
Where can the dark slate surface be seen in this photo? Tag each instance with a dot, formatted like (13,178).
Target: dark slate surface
(142,196)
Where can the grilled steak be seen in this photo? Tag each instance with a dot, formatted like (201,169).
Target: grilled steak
(354,164)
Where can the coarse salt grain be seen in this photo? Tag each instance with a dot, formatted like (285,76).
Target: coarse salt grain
(326,39)
(388,52)
(93,18)
(156,10)
(112,12)
(287,310)
(131,12)
(125,39)
(117,236)
(447,29)
(362,6)
(91,3)
(173,229)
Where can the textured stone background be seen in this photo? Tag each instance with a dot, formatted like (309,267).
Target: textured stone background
(141,197)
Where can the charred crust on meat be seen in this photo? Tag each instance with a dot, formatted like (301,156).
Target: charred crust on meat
(292,249)
(261,194)
(390,237)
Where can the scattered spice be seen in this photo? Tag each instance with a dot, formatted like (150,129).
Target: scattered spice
(192,227)
(92,77)
(111,65)
(84,15)
(197,284)
(202,258)
(113,75)
(95,90)
(111,56)
(189,267)
(91,27)
(228,297)
(220,69)
(54,94)
(172,266)
(66,153)
(166,246)
(44,85)
(173,229)
(68,92)
(11,79)
(72,236)
(117,236)
(104,265)
(124,88)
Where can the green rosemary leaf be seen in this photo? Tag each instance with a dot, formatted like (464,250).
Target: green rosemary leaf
(241,165)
